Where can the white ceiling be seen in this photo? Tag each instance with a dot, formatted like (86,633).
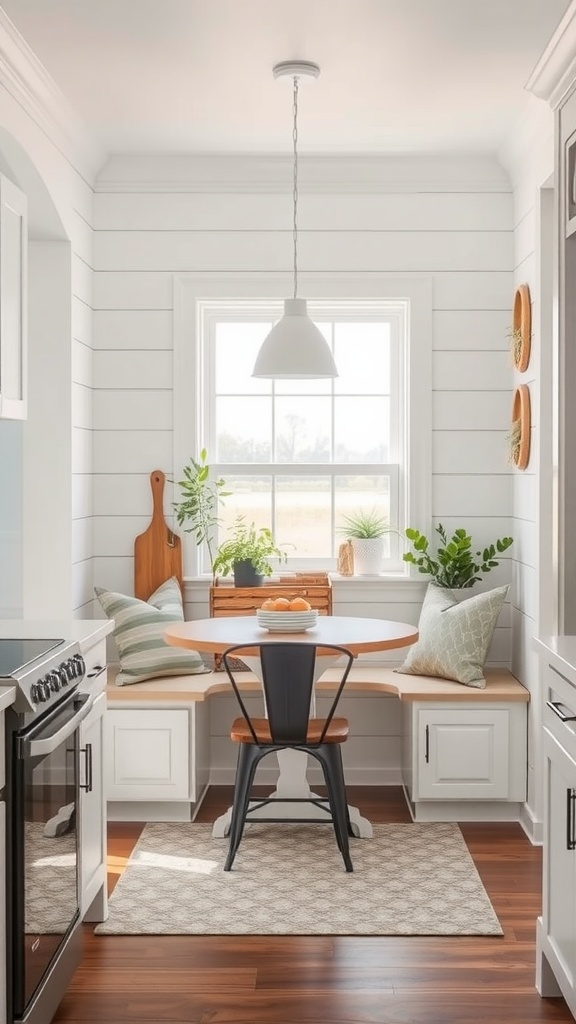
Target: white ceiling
(195,76)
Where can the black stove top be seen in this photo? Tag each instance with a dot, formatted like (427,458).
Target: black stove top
(15,654)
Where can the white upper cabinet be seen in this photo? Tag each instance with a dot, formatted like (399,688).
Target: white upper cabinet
(13,300)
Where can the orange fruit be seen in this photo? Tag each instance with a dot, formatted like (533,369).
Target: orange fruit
(281,604)
(268,605)
(299,604)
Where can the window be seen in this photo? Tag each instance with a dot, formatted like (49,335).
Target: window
(299,455)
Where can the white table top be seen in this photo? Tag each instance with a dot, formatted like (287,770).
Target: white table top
(358,635)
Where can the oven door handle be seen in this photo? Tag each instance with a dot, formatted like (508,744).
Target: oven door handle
(82,706)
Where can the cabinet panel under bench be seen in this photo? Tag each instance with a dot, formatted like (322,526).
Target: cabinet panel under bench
(156,756)
(463,752)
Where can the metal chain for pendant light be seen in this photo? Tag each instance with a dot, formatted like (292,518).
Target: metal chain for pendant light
(295,349)
(295,185)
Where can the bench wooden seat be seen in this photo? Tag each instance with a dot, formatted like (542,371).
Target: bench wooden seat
(501,685)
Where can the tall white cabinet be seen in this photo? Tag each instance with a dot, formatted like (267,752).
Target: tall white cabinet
(554,80)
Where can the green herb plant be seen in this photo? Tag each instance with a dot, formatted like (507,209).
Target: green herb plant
(247,544)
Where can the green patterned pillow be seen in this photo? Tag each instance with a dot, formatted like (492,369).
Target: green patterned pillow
(454,635)
(139,634)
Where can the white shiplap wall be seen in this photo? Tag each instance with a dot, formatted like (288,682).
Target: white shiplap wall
(451,220)
(529,158)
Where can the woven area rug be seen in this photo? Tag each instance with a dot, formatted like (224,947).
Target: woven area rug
(410,879)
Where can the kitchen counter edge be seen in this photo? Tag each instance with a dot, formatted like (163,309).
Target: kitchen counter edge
(86,632)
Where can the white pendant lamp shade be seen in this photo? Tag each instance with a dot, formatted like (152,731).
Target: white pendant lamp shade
(295,348)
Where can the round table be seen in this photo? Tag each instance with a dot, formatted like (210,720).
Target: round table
(359,635)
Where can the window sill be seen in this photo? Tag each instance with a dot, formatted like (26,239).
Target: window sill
(382,587)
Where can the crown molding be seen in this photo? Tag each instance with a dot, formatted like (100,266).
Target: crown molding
(555,72)
(30,85)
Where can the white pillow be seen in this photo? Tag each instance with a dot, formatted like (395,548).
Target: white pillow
(454,635)
(139,634)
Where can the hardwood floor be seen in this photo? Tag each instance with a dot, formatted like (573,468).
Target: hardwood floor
(327,980)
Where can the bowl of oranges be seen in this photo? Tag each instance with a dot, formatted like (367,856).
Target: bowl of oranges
(286,615)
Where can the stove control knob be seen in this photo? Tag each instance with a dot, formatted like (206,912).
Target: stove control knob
(64,673)
(79,665)
(55,681)
(40,691)
(45,687)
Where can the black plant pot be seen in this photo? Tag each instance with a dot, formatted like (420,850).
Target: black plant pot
(245,575)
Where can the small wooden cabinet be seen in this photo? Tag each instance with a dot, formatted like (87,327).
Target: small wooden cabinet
(316,588)
(463,752)
(13,300)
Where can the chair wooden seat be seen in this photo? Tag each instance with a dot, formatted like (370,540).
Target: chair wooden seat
(337,731)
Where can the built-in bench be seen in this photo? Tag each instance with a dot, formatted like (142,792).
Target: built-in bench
(501,685)
(462,751)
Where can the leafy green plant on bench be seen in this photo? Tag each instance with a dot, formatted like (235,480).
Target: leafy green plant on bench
(455,564)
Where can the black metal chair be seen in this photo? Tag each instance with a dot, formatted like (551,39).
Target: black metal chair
(288,676)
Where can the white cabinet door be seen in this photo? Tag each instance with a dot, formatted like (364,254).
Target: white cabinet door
(559,894)
(462,754)
(3,977)
(93,812)
(147,754)
(13,300)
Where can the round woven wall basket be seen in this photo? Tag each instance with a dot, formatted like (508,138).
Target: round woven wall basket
(521,327)
(520,437)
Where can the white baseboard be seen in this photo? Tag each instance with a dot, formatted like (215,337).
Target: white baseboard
(463,810)
(144,810)
(532,826)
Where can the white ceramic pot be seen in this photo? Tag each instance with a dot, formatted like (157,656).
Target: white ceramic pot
(368,554)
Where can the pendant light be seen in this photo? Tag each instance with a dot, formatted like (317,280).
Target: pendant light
(295,348)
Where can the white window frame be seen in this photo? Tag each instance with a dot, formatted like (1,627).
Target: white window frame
(198,296)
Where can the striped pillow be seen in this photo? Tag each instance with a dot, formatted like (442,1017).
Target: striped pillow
(139,634)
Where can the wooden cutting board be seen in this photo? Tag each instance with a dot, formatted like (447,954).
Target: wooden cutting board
(157,551)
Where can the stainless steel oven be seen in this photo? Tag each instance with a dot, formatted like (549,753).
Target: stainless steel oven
(42,864)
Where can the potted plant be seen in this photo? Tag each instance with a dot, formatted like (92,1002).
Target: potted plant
(247,554)
(197,512)
(455,564)
(366,530)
